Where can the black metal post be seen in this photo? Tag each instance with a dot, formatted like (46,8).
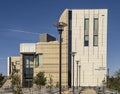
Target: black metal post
(60,61)
(60,26)
(73,54)
(73,73)
(77,73)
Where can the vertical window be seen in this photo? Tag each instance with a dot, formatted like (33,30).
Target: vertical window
(31,61)
(95,25)
(86,32)
(39,59)
(95,32)
(69,48)
(86,40)
(28,66)
(28,62)
(86,26)
(95,40)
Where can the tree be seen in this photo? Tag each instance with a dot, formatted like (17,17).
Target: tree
(117,74)
(1,79)
(114,81)
(40,79)
(16,84)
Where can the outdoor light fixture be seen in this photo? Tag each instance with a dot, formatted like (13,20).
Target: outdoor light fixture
(60,27)
(77,73)
(73,55)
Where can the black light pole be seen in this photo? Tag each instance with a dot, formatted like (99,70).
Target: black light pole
(77,73)
(60,26)
(73,55)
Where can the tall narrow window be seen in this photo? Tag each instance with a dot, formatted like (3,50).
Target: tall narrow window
(95,32)
(95,26)
(39,59)
(70,46)
(28,66)
(86,40)
(86,32)
(95,40)
(28,62)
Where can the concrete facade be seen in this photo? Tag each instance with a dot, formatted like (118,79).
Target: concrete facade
(13,63)
(50,60)
(92,58)
(46,38)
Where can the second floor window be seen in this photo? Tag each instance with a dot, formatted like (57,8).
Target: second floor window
(86,32)
(95,32)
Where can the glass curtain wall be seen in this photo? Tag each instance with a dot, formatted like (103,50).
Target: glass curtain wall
(28,63)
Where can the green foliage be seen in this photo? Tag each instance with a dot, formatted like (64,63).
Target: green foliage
(16,84)
(1,78)
(114,81)
(117,74)
(40,79)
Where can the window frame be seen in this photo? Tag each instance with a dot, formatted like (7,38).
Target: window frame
(86,31)
(37,61)
(95,31)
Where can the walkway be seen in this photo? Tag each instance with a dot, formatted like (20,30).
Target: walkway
(88,91)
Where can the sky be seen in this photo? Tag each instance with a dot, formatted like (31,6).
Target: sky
(21,21)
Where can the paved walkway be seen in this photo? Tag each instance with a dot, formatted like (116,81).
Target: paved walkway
(88,91)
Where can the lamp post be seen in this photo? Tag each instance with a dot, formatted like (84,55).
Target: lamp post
(77,73)
(60,27)
(73,55)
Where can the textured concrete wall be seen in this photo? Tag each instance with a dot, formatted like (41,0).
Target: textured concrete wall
(92,58)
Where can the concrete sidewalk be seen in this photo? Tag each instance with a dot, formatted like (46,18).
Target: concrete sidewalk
(88,91)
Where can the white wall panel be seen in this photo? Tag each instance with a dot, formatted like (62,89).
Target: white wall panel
(27,47)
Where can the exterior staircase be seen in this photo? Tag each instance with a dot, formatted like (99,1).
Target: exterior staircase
(7,83)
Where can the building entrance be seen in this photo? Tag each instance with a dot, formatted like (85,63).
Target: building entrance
(28,63)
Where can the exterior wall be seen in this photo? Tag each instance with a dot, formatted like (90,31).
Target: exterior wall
(8,66)
(14,62)
(92,58)
(50,61)
(27,48)
(46,38)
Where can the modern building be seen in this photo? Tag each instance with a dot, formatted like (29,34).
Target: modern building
(41,56)
(88,33)
(85,34)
